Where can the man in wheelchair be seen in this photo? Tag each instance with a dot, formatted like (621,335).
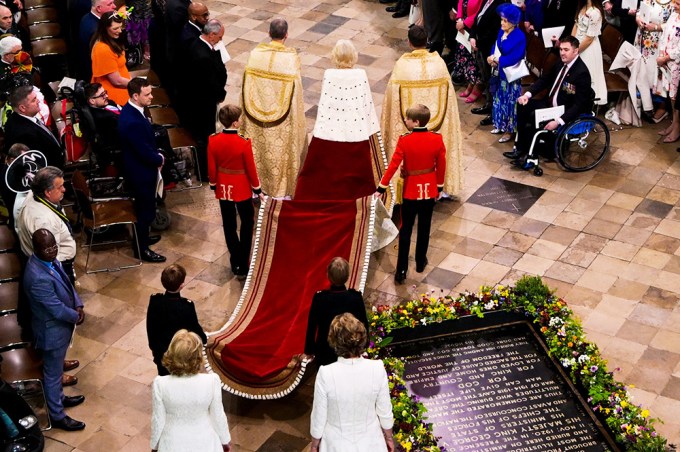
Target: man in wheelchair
(567,84)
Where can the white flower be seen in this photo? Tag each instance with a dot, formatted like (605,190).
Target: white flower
(489,306)
(568,362)
(583,359)
(555,322)
(423,321)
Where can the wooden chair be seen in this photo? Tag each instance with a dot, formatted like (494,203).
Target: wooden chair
(8,240)
(164,116)
(160,98)
(535,57)
(36,4)
(99,213)
(611,40)
(181,138)
(21,363)
(48,47)
(10,332)
(44,30)
(39,15)
(9,297)
(10,267)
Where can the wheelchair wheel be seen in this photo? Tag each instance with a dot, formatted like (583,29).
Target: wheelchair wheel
(162,220)
(582,144)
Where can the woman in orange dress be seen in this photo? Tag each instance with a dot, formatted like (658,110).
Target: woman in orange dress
(108,58)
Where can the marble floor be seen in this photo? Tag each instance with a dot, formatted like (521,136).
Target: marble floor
(607,240)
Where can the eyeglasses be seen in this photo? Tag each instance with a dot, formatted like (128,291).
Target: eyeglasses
(205,15)
(51,249)
(103,94)
(14,53)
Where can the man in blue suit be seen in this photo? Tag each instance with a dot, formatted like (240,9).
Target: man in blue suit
(56,309)
(141,162)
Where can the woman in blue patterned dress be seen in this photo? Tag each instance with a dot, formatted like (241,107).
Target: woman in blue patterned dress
(509,49)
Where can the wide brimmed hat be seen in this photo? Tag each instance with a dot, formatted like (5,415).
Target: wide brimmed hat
(21,171)
(509,12)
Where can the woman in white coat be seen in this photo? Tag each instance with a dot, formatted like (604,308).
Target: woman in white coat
(352,411)
(187,406)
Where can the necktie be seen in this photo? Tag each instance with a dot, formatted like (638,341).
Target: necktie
(555,89)
(44,127)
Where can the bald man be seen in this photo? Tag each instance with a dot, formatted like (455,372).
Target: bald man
(198,17)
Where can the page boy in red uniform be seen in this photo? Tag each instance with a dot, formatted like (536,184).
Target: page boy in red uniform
(233,177)
(422,155)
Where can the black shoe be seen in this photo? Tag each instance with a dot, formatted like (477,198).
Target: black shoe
(400,276)
(512,155)
(153,239)
(421,267)
(391,9)
(150,256)
(69,401)
(399,14)
(486,121)
(68,424)
(483,110)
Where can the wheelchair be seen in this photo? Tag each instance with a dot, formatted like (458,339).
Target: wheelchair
(578,146)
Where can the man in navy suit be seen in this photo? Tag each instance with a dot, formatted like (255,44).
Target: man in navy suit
(56,309)
(24,127)
(87,28)
(141,162)
(568,84)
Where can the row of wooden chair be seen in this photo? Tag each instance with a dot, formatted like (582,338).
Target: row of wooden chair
(45,30)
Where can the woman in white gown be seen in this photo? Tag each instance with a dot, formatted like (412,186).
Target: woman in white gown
(587,30)
(187,406)
(352,411)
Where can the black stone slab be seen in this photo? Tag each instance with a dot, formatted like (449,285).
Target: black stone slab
(505,195)
(495,389)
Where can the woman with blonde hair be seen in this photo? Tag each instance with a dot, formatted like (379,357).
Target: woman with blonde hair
(187,405)
(352,410)
(345,155)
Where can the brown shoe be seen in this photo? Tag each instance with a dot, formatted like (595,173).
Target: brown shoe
(70,364)
(68,380)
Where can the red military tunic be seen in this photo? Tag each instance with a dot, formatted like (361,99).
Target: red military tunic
(231,166)
(424,164)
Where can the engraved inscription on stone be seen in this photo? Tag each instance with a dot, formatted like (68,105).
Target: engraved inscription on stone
(494,391)
(505,195)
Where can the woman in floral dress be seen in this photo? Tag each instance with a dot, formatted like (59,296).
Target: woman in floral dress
(464,66)
(647,40)
(669,65)
(509,49)
(587,30)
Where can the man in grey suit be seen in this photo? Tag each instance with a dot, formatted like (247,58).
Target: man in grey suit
(56,309)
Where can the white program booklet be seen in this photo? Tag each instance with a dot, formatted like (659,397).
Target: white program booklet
(518,3)
(464,38)
(629,4)
(550,34)
(548,114)
(223,52)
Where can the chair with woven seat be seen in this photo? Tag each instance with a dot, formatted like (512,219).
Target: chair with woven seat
(10,267)
(98,213)
(9,297)
(8,240)
(10,332)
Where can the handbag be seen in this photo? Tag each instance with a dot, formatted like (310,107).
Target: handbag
(516,71)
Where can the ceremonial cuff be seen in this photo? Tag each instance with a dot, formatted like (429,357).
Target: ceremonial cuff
(257,190)
(213,187)
(440,188)
(381,189)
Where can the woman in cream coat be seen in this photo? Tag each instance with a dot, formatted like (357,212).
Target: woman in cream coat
(352,411)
